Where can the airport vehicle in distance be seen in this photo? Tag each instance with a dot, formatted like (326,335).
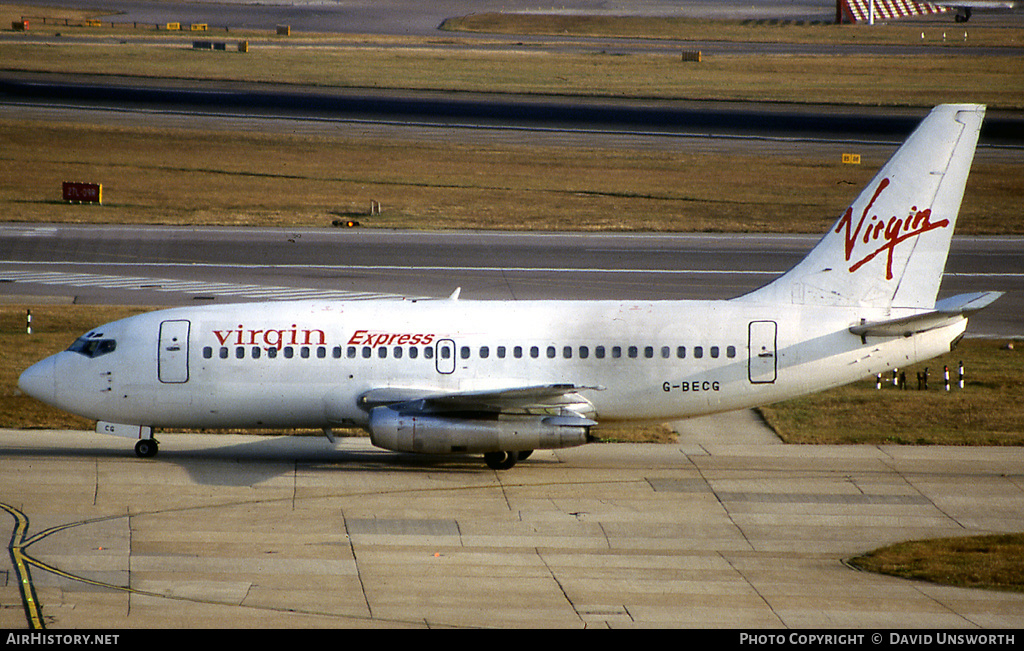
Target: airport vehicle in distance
(503,378)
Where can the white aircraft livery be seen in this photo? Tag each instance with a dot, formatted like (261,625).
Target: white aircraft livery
(504,378)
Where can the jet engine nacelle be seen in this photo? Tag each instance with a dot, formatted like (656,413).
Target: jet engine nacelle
(430,433)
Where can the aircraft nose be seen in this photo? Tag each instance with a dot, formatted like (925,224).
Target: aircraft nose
(39,380)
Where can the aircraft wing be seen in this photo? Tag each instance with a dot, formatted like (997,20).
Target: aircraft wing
(946,311)
(505,423)
(540,400)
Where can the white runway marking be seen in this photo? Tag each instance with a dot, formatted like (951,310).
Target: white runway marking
(143,283)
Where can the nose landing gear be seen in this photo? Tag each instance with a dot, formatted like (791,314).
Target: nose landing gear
(147,448)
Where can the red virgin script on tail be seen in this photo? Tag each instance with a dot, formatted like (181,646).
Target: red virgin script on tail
(882,235)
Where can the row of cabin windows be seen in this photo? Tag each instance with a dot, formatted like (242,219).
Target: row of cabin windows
(320,352)
(465,352)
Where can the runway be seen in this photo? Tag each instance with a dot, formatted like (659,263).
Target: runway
(297,109)
(294,533)
(165,266)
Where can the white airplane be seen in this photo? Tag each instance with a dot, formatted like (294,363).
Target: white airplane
(964,8)
(503,378)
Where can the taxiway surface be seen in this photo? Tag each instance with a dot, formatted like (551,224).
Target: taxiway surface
(284,532)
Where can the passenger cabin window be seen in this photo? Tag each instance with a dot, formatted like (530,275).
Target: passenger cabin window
(93,346)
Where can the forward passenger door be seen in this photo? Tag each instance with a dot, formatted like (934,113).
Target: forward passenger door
(172,355)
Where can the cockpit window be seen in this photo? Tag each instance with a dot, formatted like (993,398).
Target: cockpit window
(93,346)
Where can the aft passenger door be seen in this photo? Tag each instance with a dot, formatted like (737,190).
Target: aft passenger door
(762,360)
(172,356)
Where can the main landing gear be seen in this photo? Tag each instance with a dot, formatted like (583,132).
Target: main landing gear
(504,460)
(147,448)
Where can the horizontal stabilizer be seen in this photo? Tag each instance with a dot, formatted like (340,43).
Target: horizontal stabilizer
(946,312)
(967,304)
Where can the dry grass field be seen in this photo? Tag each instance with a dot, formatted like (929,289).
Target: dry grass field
(937,30)
(985,412)
(234,178)
(997,81)
(993,562)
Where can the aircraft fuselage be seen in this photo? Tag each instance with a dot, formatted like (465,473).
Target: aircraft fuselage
(286,365)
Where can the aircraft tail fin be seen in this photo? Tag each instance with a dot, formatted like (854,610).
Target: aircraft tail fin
(889,248)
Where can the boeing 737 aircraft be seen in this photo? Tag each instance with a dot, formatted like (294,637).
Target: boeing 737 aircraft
(503,378)
(964,8)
